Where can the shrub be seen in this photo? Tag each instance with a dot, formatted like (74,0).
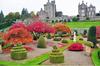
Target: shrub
(56,56)
(64,41)
(85,32)
(18,52)
(63,35)
(76,47)
(49,36)
(92,35)
(99,54)
(57,35)
(81,39)
(57,39)
(7,46)
(88,43)
(41,42)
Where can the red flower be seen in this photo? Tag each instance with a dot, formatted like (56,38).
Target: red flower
(76,47)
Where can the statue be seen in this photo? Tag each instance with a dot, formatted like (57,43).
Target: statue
(74,38)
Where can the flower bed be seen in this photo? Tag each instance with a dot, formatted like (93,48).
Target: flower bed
(75,47)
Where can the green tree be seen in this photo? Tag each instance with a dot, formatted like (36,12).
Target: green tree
(24,14)
(92,35)
(1,17)
(75,19)
(17,15)
(10,17)
(32,14)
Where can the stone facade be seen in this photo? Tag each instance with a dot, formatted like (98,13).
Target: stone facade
(86,12)
(49,11)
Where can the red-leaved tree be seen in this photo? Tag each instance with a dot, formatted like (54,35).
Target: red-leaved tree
(18,35)
(18,25)
(40,27)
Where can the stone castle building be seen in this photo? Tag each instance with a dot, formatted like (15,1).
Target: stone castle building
(86,12)
(49,11)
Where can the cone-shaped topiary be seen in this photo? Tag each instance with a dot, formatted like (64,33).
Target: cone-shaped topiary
(41,42)
(49,36)
(92,35)
(56,56)
(18,52)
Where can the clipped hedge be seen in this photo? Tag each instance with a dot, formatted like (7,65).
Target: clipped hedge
(18,53)
(57,39)
(56,56)
(64,41)
(41,42)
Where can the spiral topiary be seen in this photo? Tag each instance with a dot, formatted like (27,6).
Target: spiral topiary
(18,52)
(56,56)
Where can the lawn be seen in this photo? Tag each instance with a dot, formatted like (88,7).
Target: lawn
(95,58)
(82,24)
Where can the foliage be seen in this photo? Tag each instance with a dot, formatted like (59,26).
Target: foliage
(24,14)
(7,46)
(18,52)
(18,35)
(41,42)
(99,54)
(40,27)
(97,31)
(75,19)
(76,47)
(49,36)
(64,41)
(56,56)
(1,17)
(85,32)
(56,35)
(95,58)
(62,27)
(57,39)
(18,25)
(88,43)
(92,35)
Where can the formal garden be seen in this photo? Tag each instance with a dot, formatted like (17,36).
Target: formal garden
(43,43)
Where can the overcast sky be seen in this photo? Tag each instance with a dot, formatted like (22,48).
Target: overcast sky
(68,7)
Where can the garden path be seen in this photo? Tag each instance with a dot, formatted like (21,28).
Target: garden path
(73,59)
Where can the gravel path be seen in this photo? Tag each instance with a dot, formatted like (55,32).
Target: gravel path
(73,59)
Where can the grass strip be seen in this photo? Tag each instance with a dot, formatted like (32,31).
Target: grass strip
(95,58)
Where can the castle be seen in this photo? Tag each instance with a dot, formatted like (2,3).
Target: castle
(49,12)
(87,12)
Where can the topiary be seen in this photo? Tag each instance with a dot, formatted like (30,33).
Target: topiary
(57,35)
(56,56)
(57,39)
(92,35)
(18,52)
(64,41)
(49,36)
(41,42)
(88,43)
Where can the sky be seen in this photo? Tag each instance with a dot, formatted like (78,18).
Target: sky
(68,7)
